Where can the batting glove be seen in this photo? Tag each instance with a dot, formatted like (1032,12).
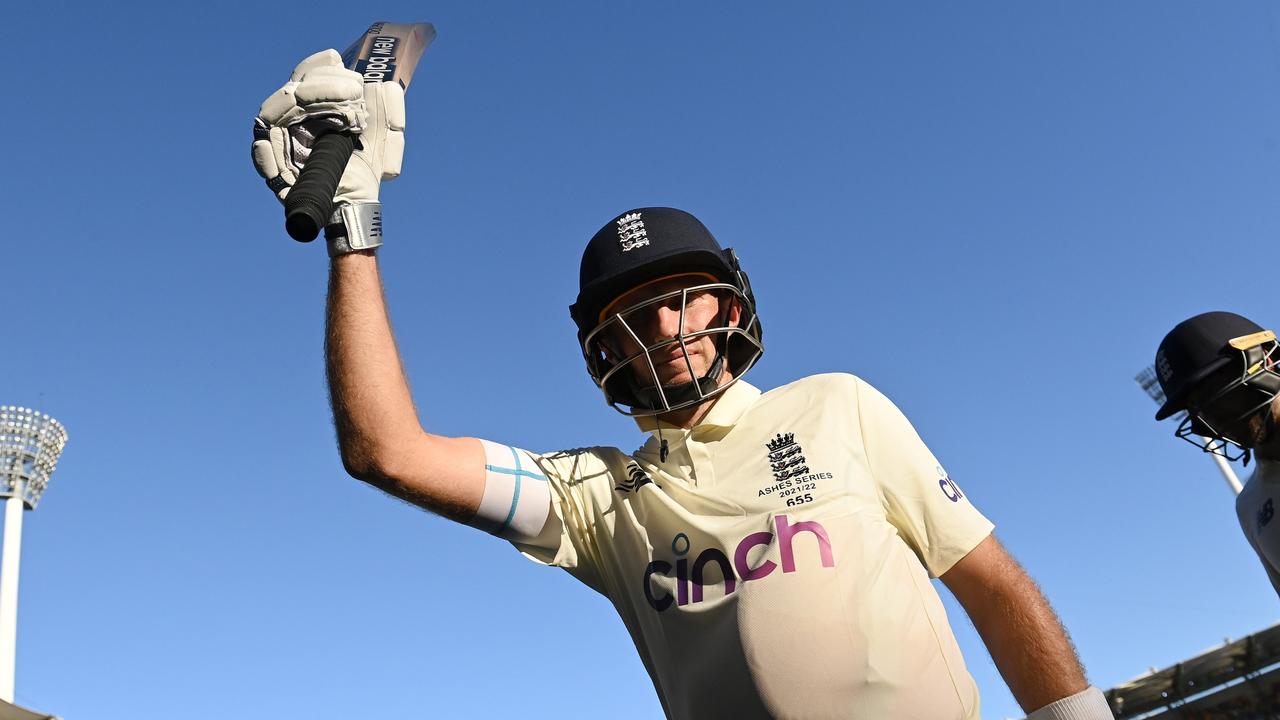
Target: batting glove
(323,96)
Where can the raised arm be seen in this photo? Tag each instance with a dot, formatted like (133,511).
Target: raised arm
(379,434)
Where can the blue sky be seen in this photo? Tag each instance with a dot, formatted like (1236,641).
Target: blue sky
(991,211)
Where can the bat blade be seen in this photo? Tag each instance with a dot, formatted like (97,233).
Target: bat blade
(386,52)
(389,52)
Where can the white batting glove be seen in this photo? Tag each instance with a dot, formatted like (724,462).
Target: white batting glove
(323,96)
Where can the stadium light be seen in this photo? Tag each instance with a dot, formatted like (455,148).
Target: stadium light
(1147,380)
(30,443)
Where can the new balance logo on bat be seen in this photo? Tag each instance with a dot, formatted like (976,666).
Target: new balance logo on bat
(381,65)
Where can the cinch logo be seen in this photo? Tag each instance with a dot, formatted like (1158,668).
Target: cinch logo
(949,487)
(739,568)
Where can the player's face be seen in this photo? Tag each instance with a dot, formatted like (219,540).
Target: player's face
(659,322)
(1265,428)
(1235,414)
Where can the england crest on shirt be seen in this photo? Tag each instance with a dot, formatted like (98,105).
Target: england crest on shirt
(786,457)
(793,480)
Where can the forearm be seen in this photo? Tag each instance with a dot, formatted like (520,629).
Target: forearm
(372,407)
(1028,644)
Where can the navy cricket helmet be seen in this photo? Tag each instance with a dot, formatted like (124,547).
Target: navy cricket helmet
(646,245)
(1222,369)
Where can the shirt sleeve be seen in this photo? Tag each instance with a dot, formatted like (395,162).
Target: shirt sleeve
(930,512)
(536,502)
(1243,514)
(1272,575)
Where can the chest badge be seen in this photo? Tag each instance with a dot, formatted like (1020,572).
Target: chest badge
(1265,514)
(786,457)
(793,481)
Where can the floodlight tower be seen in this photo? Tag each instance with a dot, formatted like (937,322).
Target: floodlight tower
(1147,379)
(30,443)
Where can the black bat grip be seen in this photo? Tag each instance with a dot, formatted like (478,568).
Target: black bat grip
(309,203)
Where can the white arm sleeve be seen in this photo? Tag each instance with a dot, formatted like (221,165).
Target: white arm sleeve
(528,503)
(516,504)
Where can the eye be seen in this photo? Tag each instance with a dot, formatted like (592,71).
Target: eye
(701,298)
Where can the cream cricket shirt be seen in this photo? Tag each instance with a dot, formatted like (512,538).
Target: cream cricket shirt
(1256,509)
(777,564)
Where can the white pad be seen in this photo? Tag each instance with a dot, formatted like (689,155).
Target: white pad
(517,500)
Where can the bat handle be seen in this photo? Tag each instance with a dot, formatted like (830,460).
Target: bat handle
(309,203)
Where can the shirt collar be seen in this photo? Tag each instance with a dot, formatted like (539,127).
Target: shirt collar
(728,409)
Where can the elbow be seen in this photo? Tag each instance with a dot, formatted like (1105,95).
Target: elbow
(376,472)
(367,463)
(358,465)
(374,452)
(382,465)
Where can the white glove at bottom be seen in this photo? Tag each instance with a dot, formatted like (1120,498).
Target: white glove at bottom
(323,96)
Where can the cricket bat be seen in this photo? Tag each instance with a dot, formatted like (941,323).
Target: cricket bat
(386,52)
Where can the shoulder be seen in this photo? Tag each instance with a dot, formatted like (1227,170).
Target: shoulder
(576,466)
(1256,491)
(836,402)
(822,385)
(843,390)
(842,394)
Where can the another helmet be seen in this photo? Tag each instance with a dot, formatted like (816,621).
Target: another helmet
(1240,358)
(645,245)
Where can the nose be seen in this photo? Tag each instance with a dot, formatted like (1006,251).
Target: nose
(657,323)
(666,321)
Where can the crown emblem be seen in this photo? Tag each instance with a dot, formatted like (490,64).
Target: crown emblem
(1163,367)
(785,457)
(782,442)
(631,232)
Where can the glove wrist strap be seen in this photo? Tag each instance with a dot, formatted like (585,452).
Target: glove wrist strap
(354,227)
